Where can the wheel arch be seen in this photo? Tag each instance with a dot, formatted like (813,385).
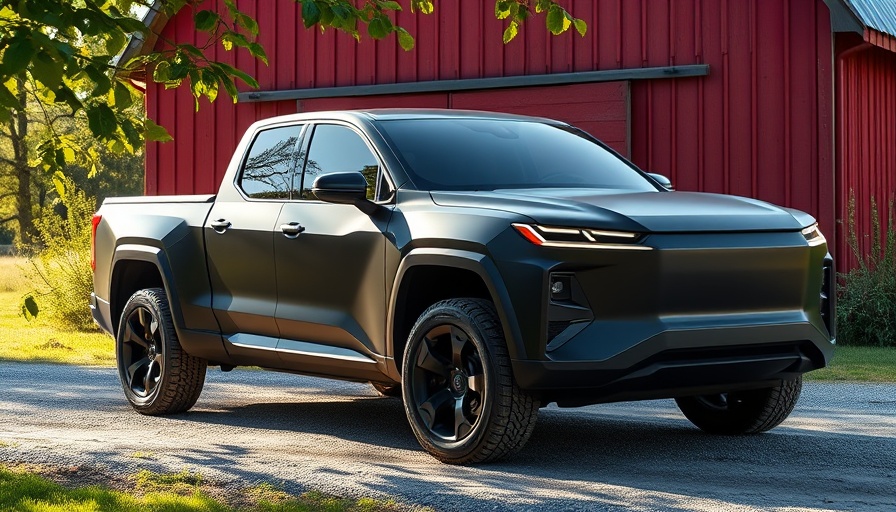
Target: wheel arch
(135,267)
(426,276)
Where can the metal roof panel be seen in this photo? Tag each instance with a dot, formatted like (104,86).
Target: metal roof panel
(877,14)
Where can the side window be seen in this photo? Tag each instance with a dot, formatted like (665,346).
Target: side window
(337,148)
(267,171)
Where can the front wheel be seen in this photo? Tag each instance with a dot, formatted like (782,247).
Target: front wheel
(459,393)
(742,412)
(158,377)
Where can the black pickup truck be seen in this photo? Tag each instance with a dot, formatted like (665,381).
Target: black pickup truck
(478,265)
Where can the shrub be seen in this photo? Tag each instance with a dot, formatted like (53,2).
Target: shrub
(866,307)
(61,276)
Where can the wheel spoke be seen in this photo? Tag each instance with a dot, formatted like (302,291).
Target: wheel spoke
(141,314)
(132,370)
(431,406)
(458,342)
(476,383)
(154,329)
(130,334)
(147,379)
(462,425)
(429,361)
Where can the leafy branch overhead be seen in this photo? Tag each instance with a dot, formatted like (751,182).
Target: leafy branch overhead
(66,52)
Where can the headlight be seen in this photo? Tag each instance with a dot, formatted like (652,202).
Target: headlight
(584,238)
(813,235)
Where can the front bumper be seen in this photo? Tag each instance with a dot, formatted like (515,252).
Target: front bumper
(681,361)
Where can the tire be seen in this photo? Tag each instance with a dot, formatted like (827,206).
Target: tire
(158,377)
(387,390)
(742,412)
(459,393)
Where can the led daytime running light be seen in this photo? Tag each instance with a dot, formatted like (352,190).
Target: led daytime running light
(542,236)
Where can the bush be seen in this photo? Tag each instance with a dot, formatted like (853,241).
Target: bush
(60,266)
(866,307)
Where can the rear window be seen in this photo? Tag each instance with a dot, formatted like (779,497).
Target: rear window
(488,154)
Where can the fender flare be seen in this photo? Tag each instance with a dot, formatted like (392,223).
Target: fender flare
(478,263)
(158,257)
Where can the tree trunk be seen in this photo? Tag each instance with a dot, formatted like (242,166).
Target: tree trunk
(18,131)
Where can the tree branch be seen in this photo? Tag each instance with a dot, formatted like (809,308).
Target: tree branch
(4,221)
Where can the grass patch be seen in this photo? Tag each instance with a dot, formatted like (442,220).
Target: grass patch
(38,340)
(180,492)
(867,364)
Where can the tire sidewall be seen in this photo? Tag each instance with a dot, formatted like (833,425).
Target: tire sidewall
(437,315)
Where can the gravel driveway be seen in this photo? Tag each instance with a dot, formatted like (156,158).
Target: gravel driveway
(836,452)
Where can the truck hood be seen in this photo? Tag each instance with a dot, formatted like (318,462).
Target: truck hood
(657,212)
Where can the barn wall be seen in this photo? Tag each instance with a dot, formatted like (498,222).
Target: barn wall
(866,141)
(760,125)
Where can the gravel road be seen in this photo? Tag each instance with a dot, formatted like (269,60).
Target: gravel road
(836,452)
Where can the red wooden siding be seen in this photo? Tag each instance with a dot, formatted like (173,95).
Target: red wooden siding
(866,138)
(601,108)
(760,125)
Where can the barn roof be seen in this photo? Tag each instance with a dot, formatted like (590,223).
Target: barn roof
(874,20)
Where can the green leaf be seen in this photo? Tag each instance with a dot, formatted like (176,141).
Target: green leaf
(543,5)
(248,23)
(557,20)
(511,31)
(161,73)
(257,51)
(29,307)
(424,6)
(121,96)
(581,26)
(154,132)
(390,5)
(310,13)
(102,121)
(47,70)
(405,39)
(502,9)
(17,55)
(206,20)
(115,41)
(379,27)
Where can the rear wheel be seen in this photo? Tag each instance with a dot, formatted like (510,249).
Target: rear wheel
(158,377)
(742,412)
(459,392)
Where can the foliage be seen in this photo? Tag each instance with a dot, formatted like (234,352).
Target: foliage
(62,275)
(6,235)
(67,52)
(866,307)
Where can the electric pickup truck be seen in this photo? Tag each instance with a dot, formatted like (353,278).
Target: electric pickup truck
(478,266)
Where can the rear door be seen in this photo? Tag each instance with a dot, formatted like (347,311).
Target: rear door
(240,245)
(330,259)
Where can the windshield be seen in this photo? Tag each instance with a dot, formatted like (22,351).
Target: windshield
(488,154)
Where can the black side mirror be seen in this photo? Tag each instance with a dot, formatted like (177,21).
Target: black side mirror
(662,180)
(344,188)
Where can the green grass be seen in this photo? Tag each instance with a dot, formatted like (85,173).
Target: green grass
(180,492)
(38,340)
(868,364)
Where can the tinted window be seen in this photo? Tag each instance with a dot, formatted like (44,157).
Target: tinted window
(337,148)
(267,171)
(487,154)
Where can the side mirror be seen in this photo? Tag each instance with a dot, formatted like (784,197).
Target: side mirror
(662,180)
(344,188)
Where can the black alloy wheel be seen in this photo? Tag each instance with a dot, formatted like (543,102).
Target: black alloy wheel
(141,352)
(459,393)
(448,382)
(157,375)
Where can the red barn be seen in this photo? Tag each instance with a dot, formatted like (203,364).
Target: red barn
(789,101)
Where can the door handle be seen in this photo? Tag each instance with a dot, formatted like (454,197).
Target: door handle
(292,229)
(220,225)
